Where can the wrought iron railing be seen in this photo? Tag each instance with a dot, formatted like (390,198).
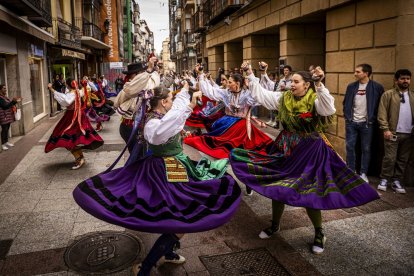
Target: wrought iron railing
(91,30)
(66,34)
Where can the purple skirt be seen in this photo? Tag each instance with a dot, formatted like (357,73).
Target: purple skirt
(139,197)
(312,175)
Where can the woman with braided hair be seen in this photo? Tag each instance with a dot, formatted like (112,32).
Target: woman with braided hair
(301,169)
(164,192)
(74,131)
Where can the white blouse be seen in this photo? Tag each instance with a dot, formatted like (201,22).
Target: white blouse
(237,104)
(158,131)
(67,98)
(324,103)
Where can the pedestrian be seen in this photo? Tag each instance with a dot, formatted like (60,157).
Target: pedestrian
(285,81)
(220,72)
(360,108)
(74,131)
(395,118)
(59,86)
(269,82)
(6,115)
(166,192)
(235,128)
(119,84)
(301,169)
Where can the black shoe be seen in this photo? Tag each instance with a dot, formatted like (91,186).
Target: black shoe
(319,242)
(268,232)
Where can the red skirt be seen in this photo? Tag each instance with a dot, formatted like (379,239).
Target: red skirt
(196,119)
(234,137)
(73,137)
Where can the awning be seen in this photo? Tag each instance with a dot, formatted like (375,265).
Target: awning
(94,43)
(24,25)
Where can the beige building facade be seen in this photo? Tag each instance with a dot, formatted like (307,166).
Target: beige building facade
(336,34)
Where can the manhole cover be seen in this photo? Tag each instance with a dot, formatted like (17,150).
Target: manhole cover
(103,252)
(255,262)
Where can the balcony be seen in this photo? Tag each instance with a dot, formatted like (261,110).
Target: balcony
(178,14)
(92,35)
(198,22)
(180,47)
(188,4)
(189,39)
(219,9)
(24,7)
(66,34)
(45,19)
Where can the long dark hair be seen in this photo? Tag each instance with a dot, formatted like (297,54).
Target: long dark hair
(307,77)
(160,93)
(237,78)
(1,86)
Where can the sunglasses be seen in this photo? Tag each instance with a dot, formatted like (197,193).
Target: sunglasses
(402,99)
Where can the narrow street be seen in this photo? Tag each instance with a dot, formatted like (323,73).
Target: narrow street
(40,217)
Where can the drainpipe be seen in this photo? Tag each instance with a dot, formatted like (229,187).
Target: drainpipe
(128,8)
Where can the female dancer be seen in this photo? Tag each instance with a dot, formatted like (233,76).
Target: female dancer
(301,169)
(233,130)
(164,192)
(74,131)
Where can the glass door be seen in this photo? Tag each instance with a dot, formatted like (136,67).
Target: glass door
(36,88)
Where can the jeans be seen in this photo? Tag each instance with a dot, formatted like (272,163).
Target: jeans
(5,133)
(364,132)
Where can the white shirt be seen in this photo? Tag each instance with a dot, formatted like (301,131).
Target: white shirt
(405,118)
(360,104)
(67,98)
(157,132)
(324,103)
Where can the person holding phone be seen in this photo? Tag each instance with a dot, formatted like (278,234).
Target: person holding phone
(395,118)
(6,116)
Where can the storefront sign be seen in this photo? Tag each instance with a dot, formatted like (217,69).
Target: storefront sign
(111,38)
(116,65)
(69,53)
(36,51)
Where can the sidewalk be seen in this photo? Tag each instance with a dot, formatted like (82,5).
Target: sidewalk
(38,213)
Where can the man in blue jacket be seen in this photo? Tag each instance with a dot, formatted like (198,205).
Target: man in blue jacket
(360,110)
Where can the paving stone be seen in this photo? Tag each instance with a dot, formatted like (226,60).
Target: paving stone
(83,228)
(45,205)
(19,202)
(46,261)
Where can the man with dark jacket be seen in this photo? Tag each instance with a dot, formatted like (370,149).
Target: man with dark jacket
(360,111)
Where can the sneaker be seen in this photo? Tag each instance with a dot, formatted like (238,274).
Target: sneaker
(248,192)
(364,177)
(4,147)
(136,268)
(269,122)
(79,163)
(9,144)
(383,185)
(174,258)
(268,232)
(397,187)
(319,242)
(99,128)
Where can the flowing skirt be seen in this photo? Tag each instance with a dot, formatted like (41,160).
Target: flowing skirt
(303,172)
(229,133)
(73,137)
(139,197)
